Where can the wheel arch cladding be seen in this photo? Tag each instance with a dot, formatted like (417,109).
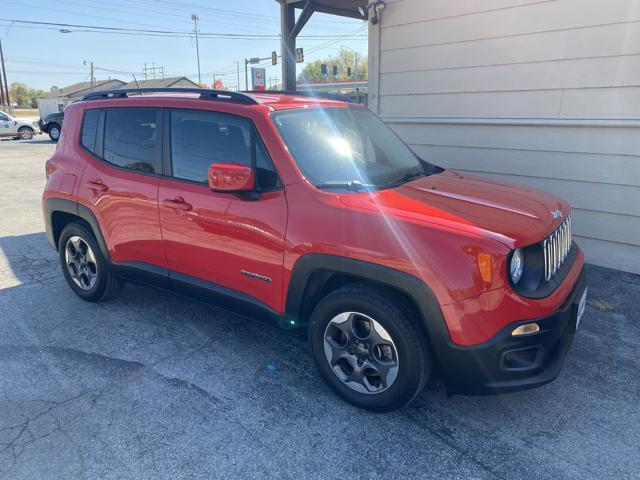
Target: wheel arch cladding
(312,278)
(59,212)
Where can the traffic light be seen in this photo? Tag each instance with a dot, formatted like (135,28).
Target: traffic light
(335,70)
(299,55)
(323,69)
(274,58)
(348,71)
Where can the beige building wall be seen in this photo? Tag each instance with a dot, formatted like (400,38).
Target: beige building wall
(545,93)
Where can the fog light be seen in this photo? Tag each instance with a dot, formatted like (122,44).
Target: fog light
(526,329)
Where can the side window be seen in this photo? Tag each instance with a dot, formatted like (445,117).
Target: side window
(3,118)
(132,139)
(199,139)
(90,129)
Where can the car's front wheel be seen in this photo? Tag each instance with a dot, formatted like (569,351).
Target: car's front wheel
(25,133)
(54,132)
(368,347)
(83,265)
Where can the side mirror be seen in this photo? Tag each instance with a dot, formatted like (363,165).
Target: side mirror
(231,177)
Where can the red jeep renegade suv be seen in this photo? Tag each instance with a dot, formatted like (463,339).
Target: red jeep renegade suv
(311,214)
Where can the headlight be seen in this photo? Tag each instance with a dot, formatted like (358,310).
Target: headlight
(516,267)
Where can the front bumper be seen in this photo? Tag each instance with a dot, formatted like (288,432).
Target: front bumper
(505,363)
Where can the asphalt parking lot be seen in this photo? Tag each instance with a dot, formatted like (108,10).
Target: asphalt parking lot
(149,385)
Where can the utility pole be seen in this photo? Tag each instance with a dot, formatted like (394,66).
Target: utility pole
(4,75)
(355,71)
(1,88)
(246,74)
(91,79)
(238,84)
(195,19)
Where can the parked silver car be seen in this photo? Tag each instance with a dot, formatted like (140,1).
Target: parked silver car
(23,129)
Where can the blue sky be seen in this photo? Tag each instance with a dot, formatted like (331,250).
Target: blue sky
(41,56)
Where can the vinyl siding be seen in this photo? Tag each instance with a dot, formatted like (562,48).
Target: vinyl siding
(544,93)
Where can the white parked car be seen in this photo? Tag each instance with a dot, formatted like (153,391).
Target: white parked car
(23,129)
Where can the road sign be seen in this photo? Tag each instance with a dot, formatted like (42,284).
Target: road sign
(258,78)
(254,60)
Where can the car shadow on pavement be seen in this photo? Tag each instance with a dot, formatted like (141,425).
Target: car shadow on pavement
(38,141)
(103,385)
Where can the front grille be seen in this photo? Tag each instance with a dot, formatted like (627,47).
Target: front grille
(556,248)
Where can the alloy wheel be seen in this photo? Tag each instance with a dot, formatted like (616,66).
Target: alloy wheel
(81,263)
(361,353)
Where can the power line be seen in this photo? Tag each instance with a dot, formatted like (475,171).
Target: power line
(176,33)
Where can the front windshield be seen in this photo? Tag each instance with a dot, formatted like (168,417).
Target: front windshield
(347,148)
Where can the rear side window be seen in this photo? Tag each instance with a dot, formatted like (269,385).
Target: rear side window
(90,129)
(132,139)
(199,139)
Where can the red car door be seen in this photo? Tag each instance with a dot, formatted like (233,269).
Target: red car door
(222,240)
(120,181)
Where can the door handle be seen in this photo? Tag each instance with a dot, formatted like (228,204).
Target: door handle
(177,203)
(97,186)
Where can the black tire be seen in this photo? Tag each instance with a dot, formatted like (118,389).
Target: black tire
(25,133)
(106,283)
(398,319)
(54,131)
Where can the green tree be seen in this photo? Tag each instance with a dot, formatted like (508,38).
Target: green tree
(23,96)
(344,61)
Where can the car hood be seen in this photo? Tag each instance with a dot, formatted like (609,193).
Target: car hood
(515,215)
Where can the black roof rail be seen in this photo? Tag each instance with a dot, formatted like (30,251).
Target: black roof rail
(305,93)
(205,94)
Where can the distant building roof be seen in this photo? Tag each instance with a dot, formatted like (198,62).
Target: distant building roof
(82,88)
(168,82)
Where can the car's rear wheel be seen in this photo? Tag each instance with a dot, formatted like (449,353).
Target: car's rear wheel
(369,348)
(83,265)
(54,132)
(25,133)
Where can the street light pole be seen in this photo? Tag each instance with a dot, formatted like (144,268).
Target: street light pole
(195,19)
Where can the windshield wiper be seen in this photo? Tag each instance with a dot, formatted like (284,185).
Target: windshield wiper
(407,178)
(353,185)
